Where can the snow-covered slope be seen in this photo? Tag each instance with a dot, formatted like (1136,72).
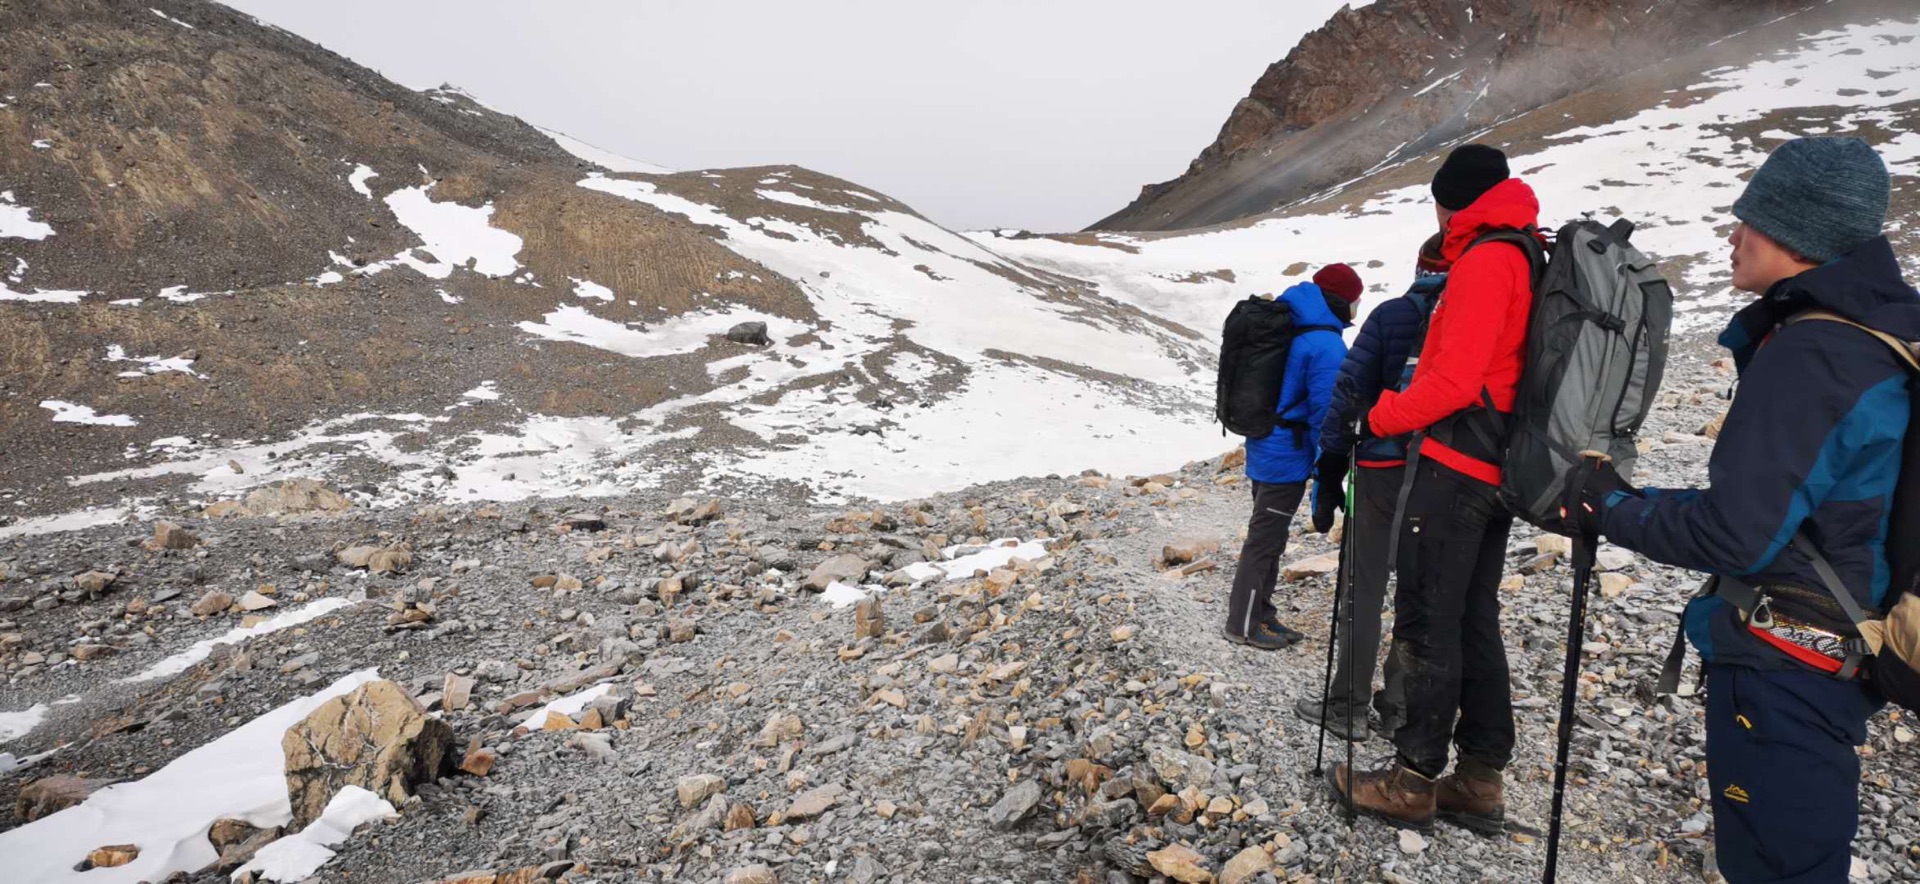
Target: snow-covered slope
(1674,168)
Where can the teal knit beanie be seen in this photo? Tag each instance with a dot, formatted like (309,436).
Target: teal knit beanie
(1821,197)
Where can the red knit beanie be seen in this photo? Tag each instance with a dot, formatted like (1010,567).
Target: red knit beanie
(1340,281)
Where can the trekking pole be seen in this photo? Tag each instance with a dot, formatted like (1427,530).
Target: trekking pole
(1346,576)
(1585,549)
(1333,625)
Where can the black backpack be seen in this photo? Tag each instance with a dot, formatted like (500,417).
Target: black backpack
(1254,344)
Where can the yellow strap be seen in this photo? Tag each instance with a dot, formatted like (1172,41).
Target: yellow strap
(1905,349)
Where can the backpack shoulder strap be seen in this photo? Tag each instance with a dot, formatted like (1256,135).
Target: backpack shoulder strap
(1527,240)
(1907,351)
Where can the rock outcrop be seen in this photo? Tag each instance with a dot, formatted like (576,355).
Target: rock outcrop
(1417,73)
(377,737)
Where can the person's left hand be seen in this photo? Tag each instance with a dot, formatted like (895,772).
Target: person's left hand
(1589,485)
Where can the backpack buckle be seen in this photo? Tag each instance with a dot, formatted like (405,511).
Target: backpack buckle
(1762,615)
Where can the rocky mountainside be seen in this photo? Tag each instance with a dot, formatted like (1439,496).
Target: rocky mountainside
(229,257)
(1397,78)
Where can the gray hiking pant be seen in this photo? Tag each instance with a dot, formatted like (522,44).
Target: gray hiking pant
(1375,493)
(1252,599)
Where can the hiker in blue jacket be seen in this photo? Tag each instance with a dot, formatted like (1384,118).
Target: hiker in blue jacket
(1377,361)
(1278,465)
(1803,473)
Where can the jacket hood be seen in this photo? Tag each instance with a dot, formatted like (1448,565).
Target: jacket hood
(1309,306)
(1865,286)
(1510,204)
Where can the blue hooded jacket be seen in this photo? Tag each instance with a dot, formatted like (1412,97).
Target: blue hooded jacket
(1313,362)
(1377,362)
(1812,442)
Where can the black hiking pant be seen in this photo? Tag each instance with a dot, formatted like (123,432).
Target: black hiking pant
(1376,490)
(1252,599)
(1446,631)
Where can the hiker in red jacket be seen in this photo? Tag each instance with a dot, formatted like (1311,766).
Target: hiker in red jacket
(1452,540)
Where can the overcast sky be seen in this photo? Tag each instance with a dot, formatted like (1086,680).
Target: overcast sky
(1044,114)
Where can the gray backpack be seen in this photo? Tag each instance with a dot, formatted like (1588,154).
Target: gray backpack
(1596,349)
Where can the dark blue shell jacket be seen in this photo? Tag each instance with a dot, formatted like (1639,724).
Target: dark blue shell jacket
(1812,442)
(1313,361)
(1377,361)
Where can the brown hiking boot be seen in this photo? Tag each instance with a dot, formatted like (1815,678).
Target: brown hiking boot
(1473,798)
(1395,795)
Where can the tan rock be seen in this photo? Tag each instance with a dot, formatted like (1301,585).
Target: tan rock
(391,560)
(1317,566)
(1181,863)
(212,603)
(225,509)
(1188,549)
(739,816)
(869,621)
(755,874)
(254,601)
(226,832)
(815,802)
(558,721)
(1712,428)
(1513,583)
(697,788)
(50,795)
(1246,865)
(1233,460)
(1553,543)
(296,497)
(567,583)
(356,556)
(479,761)
(843,568)
(780,727)
(87,653)
(681,630)
(93,582)
(1613,584)
(113,855)
(167,535)
(456,692)
(377,737)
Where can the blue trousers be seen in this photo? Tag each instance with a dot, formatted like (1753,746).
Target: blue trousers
(1785,775)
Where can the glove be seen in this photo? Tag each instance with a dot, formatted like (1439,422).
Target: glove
(1590,483)
(1329,479)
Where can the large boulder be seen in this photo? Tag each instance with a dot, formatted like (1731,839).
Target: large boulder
(377,737)
(844,568)
(296,497)
(50,795)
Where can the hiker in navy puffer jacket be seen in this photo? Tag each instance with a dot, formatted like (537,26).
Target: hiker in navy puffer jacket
(1377,361)
(1811,448)
(1278,464)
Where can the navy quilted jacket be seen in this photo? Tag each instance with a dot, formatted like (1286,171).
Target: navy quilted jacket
(1812,443)
(1376,362)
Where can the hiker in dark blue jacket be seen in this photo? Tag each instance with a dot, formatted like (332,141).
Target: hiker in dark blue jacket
(1803,471)
(1278,465)
(1378,360)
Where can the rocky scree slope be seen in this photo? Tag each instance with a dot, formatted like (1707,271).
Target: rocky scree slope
(1398,78)
(1058,711)
(229,257)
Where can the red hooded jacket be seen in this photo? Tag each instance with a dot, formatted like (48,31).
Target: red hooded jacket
(1477,337)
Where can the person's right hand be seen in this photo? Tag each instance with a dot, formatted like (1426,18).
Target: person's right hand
(1329,480)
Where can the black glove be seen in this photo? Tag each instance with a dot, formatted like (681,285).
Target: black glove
(1589,484)
(1329,495)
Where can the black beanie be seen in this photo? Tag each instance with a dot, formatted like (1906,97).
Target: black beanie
(1468,172)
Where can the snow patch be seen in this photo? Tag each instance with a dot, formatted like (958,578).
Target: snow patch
(16,221)
(841,595)
(485,392)
(587,288)
(14,725)
(362,173)
(69,413)
(151,365)
(454,235)
(569,705)
(297,856)
(997,554)
(681,334)
(241,775)
(171,19)
(200,650)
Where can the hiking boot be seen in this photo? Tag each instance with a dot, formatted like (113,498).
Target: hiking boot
(1338,718)
(1263,637)
(1473,798)
(1293,636)
(1395,795)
